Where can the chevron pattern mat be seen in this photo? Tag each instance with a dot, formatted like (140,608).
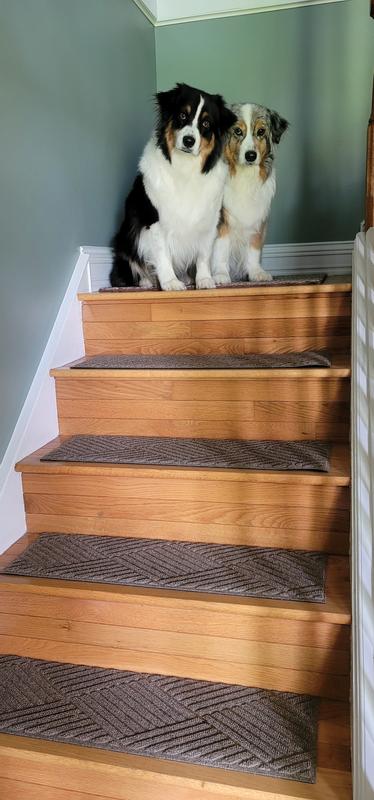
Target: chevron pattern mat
(198,722)
(279,280)
(253,361)
(187,566)
(219,453)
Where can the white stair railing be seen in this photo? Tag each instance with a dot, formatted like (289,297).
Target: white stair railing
(363,516)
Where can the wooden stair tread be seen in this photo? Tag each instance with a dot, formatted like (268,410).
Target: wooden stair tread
(339,474)
(335,610)
(125,777)
(340,368)
(336,284)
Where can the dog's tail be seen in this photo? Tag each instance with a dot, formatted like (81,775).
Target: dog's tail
(121,272)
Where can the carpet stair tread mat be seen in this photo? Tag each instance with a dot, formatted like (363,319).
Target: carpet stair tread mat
(197,722)
(277,280)
(210,453)
(186,566)
(253,361)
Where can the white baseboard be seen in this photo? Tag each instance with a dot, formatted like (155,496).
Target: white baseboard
(37,422)
(363,516)
(280,259)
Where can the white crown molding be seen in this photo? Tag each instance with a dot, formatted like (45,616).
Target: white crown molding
(38,422)
(363,515)
(173,12)
(334,258)
(146,11)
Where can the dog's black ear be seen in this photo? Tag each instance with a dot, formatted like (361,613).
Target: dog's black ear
(278,126)
(227,118)
(166,102)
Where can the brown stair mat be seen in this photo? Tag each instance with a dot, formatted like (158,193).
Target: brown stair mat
(187,566)
(278,280)
(210,453)
(178,719)
(253,361)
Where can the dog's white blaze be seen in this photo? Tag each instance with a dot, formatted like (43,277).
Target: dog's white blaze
(191,130)
(248,142)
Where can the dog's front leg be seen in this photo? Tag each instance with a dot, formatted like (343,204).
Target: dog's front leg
(154,249)
(253,258)
(204,278)
(220,260)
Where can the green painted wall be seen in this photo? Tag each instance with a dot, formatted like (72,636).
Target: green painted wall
(315,66)
(76,85)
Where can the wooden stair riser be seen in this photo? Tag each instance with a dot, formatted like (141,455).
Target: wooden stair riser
(290,516)
(225,325)
(131,652)
(279,408)
(276,515)
(240,643)
(87,773)
(316,625)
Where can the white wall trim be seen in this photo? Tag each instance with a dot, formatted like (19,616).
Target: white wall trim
(146,11)
(363,516)
(37,422)
(173,12)
(280,259)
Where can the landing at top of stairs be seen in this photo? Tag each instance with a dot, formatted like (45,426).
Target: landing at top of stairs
(338,283)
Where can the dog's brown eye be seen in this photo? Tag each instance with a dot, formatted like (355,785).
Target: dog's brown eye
(206,123)
(182,116)
(261,132)
(238,132)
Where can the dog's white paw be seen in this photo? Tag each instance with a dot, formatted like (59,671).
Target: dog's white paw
(205,283)
(174,285)
(260,275)
(222,277)
(145,283)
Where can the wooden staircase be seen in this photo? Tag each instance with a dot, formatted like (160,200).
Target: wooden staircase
(282,645)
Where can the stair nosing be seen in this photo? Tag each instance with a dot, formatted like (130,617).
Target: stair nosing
(197,775)
(32,463)
(344,286)
(253,606)
(281,609)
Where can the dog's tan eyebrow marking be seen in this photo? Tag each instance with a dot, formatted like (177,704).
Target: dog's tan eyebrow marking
(242,125)
(260,123)
(233,143)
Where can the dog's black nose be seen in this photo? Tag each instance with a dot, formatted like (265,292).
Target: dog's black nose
(189,141)
(250,156)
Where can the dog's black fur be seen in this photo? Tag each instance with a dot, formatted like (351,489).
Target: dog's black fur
(139,213)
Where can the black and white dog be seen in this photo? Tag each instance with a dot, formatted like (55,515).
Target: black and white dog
(173,209)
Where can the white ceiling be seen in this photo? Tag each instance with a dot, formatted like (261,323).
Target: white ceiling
(168,12)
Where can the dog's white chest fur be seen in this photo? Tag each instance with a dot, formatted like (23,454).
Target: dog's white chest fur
(247,201)
(188,202)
